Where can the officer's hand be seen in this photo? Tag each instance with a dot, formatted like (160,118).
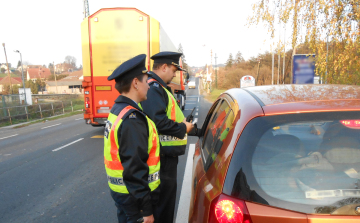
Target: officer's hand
(149,219)
(189,126)
(195,131)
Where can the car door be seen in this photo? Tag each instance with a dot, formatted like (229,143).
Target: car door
(215,130)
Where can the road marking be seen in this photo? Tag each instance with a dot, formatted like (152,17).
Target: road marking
(195,120)
(79,119)
(50,126)
(54,150)
(185,195)
(98,137)
(196,113)
(192,96)
(9,136)
(197,109)
(7,154)
(198,99)
(191,103)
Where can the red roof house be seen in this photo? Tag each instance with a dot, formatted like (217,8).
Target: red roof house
(35,73)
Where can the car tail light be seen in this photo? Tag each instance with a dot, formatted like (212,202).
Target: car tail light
(178,101)
(87,102)
(226,209)
(351,123)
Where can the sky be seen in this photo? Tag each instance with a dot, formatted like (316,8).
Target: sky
(45,31)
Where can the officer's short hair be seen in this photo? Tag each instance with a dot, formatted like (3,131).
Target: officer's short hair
(123,85)
(157,65)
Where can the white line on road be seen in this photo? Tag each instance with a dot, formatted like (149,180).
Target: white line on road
(9,136)
(192,96)
(195,120)
(196,113)
(67,145)
(191,103)
(78,119)
(50,126)
(198,99)
(185,195)
(188,109)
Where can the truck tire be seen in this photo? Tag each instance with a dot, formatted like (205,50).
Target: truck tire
(100,125)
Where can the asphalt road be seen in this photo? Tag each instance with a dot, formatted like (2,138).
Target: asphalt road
(54,171)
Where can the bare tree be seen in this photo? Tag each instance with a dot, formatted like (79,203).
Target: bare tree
(70,60)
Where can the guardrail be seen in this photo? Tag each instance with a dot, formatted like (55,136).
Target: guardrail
(18,114)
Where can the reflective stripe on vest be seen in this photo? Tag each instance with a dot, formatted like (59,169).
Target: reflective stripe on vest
(174,113)
(120,181)
(113,166)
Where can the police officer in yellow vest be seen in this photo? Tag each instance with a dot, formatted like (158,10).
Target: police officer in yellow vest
(162,108)
(132,146)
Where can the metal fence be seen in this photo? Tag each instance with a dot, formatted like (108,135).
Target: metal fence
(14,99)
(16,113)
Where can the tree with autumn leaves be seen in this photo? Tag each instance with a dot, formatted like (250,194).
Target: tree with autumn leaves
(331,29)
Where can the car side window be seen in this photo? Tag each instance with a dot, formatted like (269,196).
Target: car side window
(216,132)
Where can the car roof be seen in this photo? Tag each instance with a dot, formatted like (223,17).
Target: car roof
(280,99)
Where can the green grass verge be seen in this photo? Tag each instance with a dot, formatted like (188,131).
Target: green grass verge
(12,75)
(215,93)
(50,118)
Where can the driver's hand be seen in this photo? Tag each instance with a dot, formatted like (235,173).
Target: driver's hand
(149,219)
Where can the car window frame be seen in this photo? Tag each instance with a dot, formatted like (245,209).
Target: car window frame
(208,120)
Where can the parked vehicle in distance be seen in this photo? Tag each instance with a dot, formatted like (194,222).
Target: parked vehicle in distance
(192,84)
(285,153)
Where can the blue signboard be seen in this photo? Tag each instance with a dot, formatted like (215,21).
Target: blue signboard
(304,69)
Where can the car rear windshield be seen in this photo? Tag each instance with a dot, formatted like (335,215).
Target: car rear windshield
(304,162)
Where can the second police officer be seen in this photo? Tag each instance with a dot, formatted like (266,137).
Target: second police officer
(132,147)
(162,108)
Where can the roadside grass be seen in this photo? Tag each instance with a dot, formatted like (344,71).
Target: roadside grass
(12,75)
(47,119)
(215,93)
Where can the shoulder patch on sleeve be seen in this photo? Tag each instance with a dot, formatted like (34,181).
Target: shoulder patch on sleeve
(132,115)
(156,84)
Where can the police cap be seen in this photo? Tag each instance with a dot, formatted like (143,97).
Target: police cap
(168,58)
(130,68)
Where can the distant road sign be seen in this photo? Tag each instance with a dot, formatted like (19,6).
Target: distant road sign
(304,69)
(247,81)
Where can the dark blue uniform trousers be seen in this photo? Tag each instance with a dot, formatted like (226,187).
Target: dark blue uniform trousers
(165,208)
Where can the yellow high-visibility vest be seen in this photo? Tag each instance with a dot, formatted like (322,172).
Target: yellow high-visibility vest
(174,113)
(113,166)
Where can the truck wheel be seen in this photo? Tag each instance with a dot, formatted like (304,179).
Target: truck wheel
(94,125)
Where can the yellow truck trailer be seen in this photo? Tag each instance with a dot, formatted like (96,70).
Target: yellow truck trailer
(109,37)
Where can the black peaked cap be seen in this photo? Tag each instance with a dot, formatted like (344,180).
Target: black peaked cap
(168,58)
(130,68)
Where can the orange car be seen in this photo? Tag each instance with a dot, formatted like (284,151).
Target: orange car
(286,153)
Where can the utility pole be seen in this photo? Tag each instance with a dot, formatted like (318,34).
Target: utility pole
(284,55)
(327,51)
(7,64)
(279,54)
(257,77)
(86,9)
(216,72)
(272,73)
(22,75)
(55,77)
